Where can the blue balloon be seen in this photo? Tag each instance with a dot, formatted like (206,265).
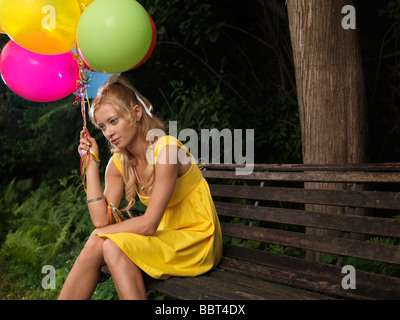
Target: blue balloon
(96,81)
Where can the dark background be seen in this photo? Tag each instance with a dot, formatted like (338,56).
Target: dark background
(217,64)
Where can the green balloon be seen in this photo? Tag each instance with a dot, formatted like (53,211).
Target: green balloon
(114,36)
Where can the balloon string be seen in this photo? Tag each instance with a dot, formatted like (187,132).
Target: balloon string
(115,215)
(84,162)
(81,96)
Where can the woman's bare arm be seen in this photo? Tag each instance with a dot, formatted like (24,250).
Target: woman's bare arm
(113,188)
(166,174)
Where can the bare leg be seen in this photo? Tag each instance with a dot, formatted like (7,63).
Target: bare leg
(83,277)
(128,278)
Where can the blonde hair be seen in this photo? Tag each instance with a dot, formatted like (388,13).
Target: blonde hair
(118,92)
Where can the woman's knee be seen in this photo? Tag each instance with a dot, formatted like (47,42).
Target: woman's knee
(111,252)
(93,249)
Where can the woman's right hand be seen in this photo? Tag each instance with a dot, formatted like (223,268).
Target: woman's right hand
(86,141)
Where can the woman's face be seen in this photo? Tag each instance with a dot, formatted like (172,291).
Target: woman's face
(116,129)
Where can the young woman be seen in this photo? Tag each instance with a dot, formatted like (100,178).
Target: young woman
(178,235)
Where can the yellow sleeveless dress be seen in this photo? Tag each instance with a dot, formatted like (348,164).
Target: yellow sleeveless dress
(188,241)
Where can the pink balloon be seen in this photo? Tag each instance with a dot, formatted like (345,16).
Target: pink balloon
(38,77)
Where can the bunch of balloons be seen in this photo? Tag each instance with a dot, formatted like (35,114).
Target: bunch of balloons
(52,39)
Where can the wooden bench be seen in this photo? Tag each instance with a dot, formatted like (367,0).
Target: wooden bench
(266,218)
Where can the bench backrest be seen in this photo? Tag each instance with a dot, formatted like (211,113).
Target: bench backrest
(281,207)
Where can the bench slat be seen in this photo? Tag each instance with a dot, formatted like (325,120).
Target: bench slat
(214,285)
(178,288)
(275,289)
(358,224)
(309,274)
(361,199)
(310,176)
(233,290)
(367,167)
(340,246)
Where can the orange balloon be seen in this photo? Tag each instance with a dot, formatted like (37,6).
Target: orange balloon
(32,38)
(41,26)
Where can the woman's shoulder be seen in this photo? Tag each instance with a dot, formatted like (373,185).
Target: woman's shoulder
(117,161)
(182,151)
(165,140)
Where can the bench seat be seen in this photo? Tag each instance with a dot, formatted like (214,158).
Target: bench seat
(267,220)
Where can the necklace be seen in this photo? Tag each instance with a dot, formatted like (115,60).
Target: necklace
(141,183)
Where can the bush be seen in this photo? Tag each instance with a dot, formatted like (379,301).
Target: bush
(47,226)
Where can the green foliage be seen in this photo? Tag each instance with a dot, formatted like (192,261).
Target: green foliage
(9,203)
(105,291)
(198,107)
(217,68)
(392,10)
(41,144)
(368,265)
(47,226)
(382,267)
(195,27)
(283,132)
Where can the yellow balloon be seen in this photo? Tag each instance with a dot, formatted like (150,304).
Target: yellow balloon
(41,26)
(83,4)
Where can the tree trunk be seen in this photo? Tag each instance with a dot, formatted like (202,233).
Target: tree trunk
(330,88)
